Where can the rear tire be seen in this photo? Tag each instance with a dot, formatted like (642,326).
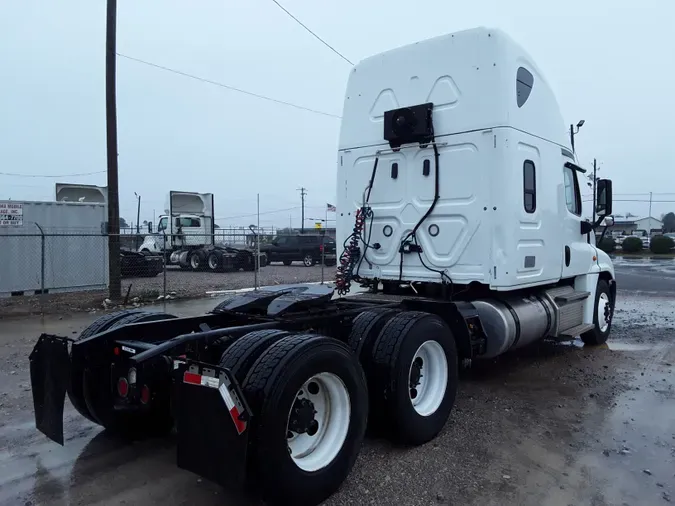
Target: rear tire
(242,354)
(414,376)
(323,374)
(602,316)
(214,262)
(288,262)
(365,329)
(196,260)
(308,260)
(98,395)
(76,385)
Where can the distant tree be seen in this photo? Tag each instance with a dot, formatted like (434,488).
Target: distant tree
(123,223)
(668,222)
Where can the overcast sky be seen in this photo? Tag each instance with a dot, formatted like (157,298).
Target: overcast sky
(610,63)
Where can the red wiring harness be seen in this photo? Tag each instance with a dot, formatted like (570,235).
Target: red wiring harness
(350,255)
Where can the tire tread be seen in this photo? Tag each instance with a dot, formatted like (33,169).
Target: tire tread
(242,354)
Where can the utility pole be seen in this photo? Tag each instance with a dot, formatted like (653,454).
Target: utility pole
(115,282)
(650,209)
(303,192)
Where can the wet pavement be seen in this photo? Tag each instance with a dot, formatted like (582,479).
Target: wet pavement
(554,424)
(645,275)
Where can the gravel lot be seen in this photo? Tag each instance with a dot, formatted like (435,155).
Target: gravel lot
(183,284)
(554,424)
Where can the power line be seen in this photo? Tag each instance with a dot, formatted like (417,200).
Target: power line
(227,86)
(49,175)
(314,34)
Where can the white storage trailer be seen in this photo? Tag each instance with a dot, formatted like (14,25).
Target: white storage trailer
(52,246)
(458,192)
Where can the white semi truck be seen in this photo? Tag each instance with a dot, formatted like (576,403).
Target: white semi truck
(186,236)
(458,196)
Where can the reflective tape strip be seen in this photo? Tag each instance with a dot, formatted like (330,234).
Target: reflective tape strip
(192,378)
(209,381)
(198,379)
(239,424)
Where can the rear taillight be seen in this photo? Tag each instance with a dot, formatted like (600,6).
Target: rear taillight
(145,394)
(321,248)
(122,387)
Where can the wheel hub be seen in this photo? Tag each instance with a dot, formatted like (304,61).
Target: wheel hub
(416,376)
(318,421)
(604,312)
(428,378)
(302,419)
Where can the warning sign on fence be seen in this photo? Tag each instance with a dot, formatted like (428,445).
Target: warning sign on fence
(11,214)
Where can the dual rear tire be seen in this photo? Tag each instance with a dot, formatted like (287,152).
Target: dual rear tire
(411,365)
(309,400)
(90,389)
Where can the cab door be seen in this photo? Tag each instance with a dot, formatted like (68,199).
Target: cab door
(578,252)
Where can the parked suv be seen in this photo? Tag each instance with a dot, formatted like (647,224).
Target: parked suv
(302,248)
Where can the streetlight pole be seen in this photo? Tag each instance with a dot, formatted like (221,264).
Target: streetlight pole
(573,132)
(138,214)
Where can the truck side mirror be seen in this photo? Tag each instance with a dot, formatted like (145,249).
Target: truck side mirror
(149,227)
(603,202)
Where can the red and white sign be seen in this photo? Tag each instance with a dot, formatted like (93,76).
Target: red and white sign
(11,214)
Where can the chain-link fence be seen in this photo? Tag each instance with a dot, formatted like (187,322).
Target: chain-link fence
(154,266)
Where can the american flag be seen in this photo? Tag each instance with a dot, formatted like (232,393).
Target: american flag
(331,208)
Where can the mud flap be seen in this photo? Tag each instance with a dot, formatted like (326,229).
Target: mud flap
(49,376)
(212,422)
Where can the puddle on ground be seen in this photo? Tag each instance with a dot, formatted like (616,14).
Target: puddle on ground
(619,346)
(610,345)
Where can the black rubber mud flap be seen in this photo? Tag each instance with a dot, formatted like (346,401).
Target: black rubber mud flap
(49,376)
(213,423)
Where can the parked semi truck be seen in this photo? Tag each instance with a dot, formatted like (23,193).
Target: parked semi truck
(186,237)
(458,196)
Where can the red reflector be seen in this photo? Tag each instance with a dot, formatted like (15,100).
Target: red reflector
(145,394)
(122,387)
(240,425)
(116,350)
(190,377)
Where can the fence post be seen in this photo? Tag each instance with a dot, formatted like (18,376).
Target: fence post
(42,260)
(164,263)
(257,257)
